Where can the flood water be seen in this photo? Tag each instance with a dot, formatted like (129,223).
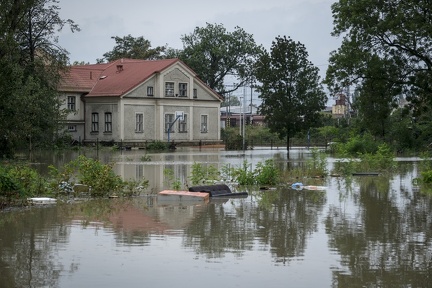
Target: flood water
(372,231)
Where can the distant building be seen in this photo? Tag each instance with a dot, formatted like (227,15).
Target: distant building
(340,108)
(232,116)
(137,101)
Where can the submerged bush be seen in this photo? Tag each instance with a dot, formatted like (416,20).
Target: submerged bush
(201,174)
(17,182)
(380,161)
(264,174)
(100,177)
(357,145)
(267,173)
(317,165)
(157,146)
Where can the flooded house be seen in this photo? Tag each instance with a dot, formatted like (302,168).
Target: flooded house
(134,102)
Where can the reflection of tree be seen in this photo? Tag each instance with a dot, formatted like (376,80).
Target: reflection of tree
(27,243)
(283,220)
(293,216)
(218,231)
(387,241)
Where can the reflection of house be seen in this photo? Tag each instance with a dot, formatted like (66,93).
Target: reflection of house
(233,116)
(340,109)
(134,101)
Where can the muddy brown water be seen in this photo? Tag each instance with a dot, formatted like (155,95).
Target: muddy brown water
(365,231)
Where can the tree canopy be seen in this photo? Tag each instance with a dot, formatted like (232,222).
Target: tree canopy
(215,54)
(132,48)
(397,32)
(291,94)
(30,65)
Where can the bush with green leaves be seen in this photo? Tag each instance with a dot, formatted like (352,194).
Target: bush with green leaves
(157,146)
(9,187)
(357,145)
(382,160)
(170,180)
(317,165)
(100,177)
(263,174)
(17,182)
(202,174)
(267,173)
(20,181)
(244,175)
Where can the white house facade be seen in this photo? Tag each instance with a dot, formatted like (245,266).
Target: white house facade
(138,101)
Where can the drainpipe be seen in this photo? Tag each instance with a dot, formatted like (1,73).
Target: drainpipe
(84,115)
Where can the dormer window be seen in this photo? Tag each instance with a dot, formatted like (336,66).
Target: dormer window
(169,89)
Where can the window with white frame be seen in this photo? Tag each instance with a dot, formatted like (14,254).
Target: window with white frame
(182,127)
(204,127)
(71,103)
(150,91)
(139,122)
(108,122)
(95,122)
(169,120)
(195,93)
(169,89)
(182,89)
(72,128)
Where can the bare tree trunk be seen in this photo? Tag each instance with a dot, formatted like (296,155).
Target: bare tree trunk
(288,147)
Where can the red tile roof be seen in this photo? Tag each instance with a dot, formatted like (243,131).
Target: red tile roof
(81,78)
(125,74)
(114,78)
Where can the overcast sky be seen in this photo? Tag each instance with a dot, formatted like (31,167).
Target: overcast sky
(164,22)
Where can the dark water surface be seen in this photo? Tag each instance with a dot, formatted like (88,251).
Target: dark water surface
(359,232)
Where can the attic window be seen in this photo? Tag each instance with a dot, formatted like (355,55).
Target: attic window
(102,77)
(119,68)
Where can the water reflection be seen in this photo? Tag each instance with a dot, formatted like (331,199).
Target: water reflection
(360,232)
(384,237)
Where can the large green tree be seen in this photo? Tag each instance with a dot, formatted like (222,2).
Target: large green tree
(133,48)
(291,93)
(398,32)
(30,64)
(216,54)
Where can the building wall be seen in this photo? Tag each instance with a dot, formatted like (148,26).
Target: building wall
(101,106)
(74,125)
(339,110)
(129,124)
(213,122)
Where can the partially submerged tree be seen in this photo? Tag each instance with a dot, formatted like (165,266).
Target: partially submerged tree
(30,65)
(291,94)
(132,48)
(216,54)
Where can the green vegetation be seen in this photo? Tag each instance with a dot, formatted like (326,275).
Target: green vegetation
(361,154)
(132,48)
(157,146)
(100,177)
(215,53)
(425,169)
(19,182)
(171,181)
(29,103)
(291,93)
(202,174)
